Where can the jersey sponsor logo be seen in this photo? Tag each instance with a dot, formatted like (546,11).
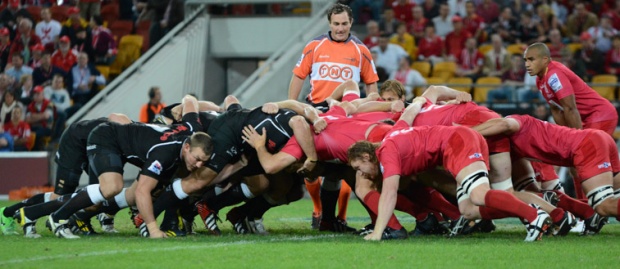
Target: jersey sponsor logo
(177,129)
(156,168)
(431,107)
(91,147)
(335,72)
(604,165)
(475,156)
(401,132)
(554,82)
(271,146)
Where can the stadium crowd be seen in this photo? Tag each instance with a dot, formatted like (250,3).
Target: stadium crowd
(452,164)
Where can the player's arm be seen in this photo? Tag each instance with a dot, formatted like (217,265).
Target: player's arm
(229,170)
(375,106)
(312,115)
(301,130)
(387,202)
(372,88)
(119,118)
(209,106)
(346,86)
(271,163)
(189,104)
(568,115)
(146,184)
(413,110)
(497,126)
(294,87)
(442,93)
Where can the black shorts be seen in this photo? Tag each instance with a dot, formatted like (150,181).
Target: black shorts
(71,152)
(104,154)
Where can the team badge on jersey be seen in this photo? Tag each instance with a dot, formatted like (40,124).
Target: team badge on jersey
(475,156)
(554,83)
(604,165)
(155,167)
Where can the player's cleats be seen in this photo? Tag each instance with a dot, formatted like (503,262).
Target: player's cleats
(389,234)
(594,224)
(27,225)
(209,217)
(538,226)
(80,226)
(60,228)
(174,232)
(107,222)
(256,226)
(187,225)
(458,226)
(366,230)
(7,224)
(483,226)
(316,221)
(563,227)
(140,225)
(551,197)
(237,220)
(427,226)
(336,225)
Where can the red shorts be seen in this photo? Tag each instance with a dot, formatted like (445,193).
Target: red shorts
(608,126)
(596,154)
(350,96)
(464,147)
(497,143)
(378,132)
(544,172)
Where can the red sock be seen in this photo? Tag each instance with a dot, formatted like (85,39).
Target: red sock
(505,201)
(343,200)
(580,209)
(372,201)
(405,205)
(618,213)
(557,214)
(578,189)
(435,201)
(314,190)
(488,213)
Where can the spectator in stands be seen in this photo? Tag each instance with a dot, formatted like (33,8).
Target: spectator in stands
(430,8)
(497,60)
(588,61)
(612,60)
(6,84)
(431,48)
(372,38)
(37,53)
(529,93)
(410,78)
(175,15)
(19,130)
(85,77)
(64,57)
(18,68)
(602,34)
(24,40)
(457,7)
(559,51)
(73,25)
(6,141)
(488,10)
(48,29)
(417,24)
(89,8)
(614,15)
(5,48)
(388,23)
(541,112)
(103,42)
(512,82)
(599,6)
(404,40)
(84,42)
(472,22)
(40,115)
(381,73)
(547,19)
(455,41)
(443,22)
(529,30)
(58,95)
(9,102)
(470,61)
(153,107)
(42,75)
(25,90)
(560,11)
(8,16)
(581,20)
(375,7)
(506,26)
(402,10)
(389,55)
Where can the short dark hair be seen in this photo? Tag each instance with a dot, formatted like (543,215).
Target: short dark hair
(542,49)
(201,140)
(337,9)
(357,150)
(98,20)
(18,55)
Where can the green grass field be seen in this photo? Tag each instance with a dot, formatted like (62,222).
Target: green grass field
(292,244)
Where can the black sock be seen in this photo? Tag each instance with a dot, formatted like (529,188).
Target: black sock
(257,207)
(110,206)
(171,220)
(166,199)
(232,196)
(80,201)
(188,210)
(34,200)
(329,200)
(209,196)
(86,215)
(43,209)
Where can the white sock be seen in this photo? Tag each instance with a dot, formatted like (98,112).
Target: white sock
(120,199)
(246,191)
(94,193)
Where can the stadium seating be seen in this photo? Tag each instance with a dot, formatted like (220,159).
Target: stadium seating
(464,83)
(110,13)
(104,70)
(487,84)
(129,50)
(60,13)
(444,70)
(429,81)
(573,47)
(142,29)
(515,48)
(607,92)
(121,28)
(485,48)
(423,67)
(35,12)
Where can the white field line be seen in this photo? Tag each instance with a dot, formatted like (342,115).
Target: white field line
(167,249)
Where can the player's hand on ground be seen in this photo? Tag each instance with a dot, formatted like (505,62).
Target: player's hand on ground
(397,106)
(374,236)
(253,138)
(319,125)
(270,108)
(157,234)
(463,97)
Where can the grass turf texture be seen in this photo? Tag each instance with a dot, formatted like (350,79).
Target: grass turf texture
(292,244)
